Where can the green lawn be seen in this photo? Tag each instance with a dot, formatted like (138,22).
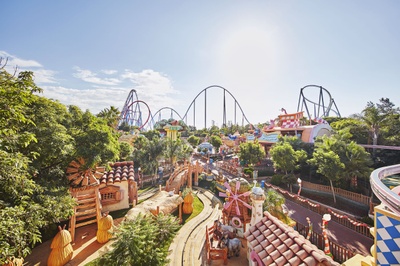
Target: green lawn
(197,208)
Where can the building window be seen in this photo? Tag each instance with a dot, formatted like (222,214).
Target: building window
(107,196)
(110,195)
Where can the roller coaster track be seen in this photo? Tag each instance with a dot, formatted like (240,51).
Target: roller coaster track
(381,191)
(320,109)
(204,91)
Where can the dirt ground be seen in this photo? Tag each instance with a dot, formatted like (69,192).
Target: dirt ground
(86,248)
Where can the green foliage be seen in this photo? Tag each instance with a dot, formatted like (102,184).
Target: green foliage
(193,140)
(96,142)
(285,157)
(147,152)
(38,138)
(273,204)
(276,180)
(15,97)
(125,150)
(110,115)
(143,241)
(177,150)
(358,130)
(25,207)
(251,152)
(216,141)
(248,170)
(266,172)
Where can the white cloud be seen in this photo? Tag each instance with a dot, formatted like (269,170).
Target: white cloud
(109,71)
(15,64)
(91,77)
(14,61)
(95,99)
(153,88)
(150,83)
(45,76)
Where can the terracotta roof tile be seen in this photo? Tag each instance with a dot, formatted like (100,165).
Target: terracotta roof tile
(278,244)
(120,171)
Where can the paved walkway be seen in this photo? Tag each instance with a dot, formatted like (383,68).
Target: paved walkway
(338,233)
(188,245)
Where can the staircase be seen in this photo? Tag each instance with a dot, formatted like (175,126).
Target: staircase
(88,208)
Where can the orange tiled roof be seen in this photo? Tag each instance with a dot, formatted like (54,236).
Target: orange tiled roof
(120,171)
(276,243)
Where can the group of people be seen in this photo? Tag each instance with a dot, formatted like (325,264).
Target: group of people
(226,236)
(222,231)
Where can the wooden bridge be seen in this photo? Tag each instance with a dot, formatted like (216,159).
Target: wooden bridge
(182,176)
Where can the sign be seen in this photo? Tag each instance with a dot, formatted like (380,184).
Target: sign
(270,137)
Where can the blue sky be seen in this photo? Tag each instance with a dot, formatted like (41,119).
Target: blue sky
(92,53)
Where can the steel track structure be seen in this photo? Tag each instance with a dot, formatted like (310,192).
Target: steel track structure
(225,92)
(320,109)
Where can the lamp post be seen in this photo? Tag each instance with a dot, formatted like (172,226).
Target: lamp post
(299,182)
(325,219)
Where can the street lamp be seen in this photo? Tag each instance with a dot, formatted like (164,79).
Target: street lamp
(325,219)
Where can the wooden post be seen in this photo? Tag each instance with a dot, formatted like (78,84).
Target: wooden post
(180,212)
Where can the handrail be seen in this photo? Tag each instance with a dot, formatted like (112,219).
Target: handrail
(381,191)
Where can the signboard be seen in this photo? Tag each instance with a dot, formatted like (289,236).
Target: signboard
(270,137)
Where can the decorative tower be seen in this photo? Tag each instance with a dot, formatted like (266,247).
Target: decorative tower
(172,130)
(257,200)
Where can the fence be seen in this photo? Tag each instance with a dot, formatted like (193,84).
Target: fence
(338,191)
(339,253)
(337,216)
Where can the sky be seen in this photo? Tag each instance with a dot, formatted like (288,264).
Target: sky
(93,53)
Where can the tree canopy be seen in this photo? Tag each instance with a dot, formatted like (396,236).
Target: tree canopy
(38,138)
(251,152)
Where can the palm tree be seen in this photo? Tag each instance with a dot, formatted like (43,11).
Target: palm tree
(274,204)
(111,115)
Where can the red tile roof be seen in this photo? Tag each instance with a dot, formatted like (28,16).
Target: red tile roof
(276,243)
(120,171)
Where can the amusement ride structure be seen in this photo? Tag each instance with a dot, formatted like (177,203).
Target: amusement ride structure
(137,112)
(316,109)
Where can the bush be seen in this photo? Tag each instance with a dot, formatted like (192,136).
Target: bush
(248,170)
(276,180)
(265,172)
(144,241)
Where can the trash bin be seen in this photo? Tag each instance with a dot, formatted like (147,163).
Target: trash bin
(262,183)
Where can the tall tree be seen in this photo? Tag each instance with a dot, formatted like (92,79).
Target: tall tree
(285,158)
(216,141)
(111,115)
(25,205)
(329,165)
(251,152)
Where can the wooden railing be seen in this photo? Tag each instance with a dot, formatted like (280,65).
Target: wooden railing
(338,191)
(174,175)
(228,167)
(342,218)
(339,253)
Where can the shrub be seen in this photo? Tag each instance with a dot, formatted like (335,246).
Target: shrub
(276,180)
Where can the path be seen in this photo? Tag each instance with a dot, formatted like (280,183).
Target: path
(188,249)
(338,233)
